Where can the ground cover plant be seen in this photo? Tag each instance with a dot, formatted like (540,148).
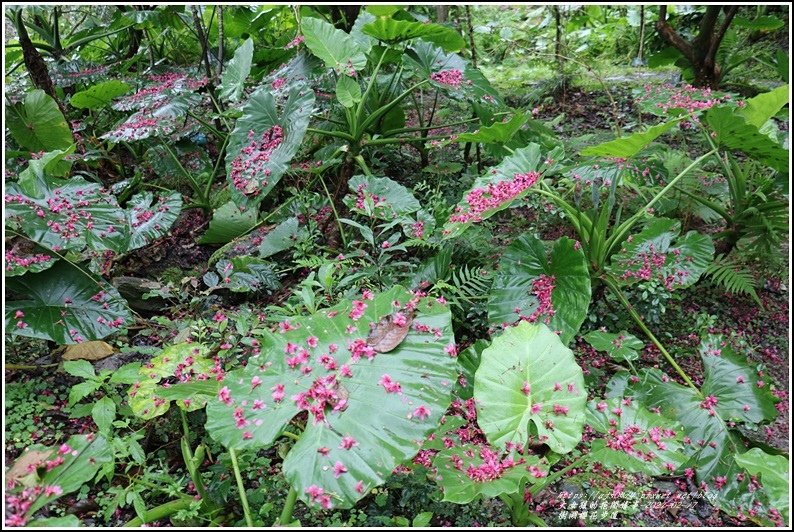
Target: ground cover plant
(328,266)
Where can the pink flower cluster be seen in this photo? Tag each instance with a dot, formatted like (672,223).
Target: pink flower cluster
(493,196)
(491,468)
(645,265)
(253,158)
(295,42)
(452,77)
(319,496)
(542,287)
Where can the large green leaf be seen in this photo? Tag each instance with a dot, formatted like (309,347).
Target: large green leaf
(367,410)
(195,384)
(264,141)
(529,388)
(512,179)
(496,133)
(634,438)
(67,305)
(64,470)
(38,124)
(470,471)
(348,91)
(531,286)
(734,383)
(380,197)
(283,236)
(336,48)
(99,96)
(775,477)
(74,214)
(236,72)
(425,59)
(659,252)
(629,146)
(394,31)
(764,106)
(165,119)
(734,133)
(228,222)
(621,346)
(731,392)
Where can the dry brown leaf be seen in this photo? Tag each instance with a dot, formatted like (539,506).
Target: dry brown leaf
(386,335)
(27,464)
(94,350)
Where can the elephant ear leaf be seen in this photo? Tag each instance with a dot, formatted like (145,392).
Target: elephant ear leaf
(529,389)
(264,140)
(374,376)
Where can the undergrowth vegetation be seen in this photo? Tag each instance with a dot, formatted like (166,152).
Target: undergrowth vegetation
(350,266)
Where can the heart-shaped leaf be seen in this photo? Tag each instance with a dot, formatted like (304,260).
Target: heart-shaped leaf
(621,346)
(635,439)
(66,305)
(470,471)
(660,252)
(368,411)
(99,96)
(348,91)
(227,223)
(195,385)
(264,141)
(531,286)
(283,236)
(529,388)
(236,72)
(775,476)
(74,214)
(336,48)
(394,31)
(734,133)
(381,198)
(707,419)
(425,59)
(38,124)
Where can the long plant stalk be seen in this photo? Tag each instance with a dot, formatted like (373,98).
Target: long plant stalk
(241,488)
(610,282)
(289,507)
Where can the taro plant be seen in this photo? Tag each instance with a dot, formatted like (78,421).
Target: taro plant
(355,388)
(387,61)
(720,457)
(756,209)
(66,234)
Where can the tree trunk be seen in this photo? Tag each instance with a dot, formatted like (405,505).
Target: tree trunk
(34,62)
(702,51)
(442,12)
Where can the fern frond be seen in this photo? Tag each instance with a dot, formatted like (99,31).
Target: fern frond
(733,276)
(312,262)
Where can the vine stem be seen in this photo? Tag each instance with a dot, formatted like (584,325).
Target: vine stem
(241,488)
(618,292)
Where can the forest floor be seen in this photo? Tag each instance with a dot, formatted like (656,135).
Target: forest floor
(43,418)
